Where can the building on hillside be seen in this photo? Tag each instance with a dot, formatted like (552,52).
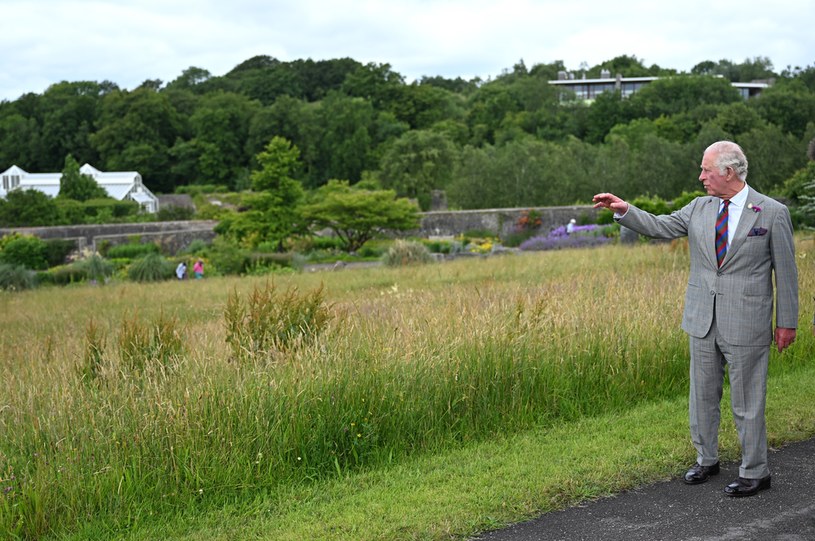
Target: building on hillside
(120,185)
(589,89)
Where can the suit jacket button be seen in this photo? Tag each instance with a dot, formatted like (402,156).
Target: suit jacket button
(712,292)
(719,273)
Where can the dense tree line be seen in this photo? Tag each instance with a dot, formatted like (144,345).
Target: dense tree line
(509,141)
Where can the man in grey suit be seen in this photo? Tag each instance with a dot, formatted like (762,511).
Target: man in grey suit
(738,238)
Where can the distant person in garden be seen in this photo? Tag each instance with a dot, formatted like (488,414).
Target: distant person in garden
(570,226)
(198,269)
(181,270)
(738,238)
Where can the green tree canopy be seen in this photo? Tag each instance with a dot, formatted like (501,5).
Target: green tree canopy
(375,82)
(627,66)
(346,127)
(804,182)
(19,139)
(672,95)
(417,163)
(220,125)
(347,118)
(190,78)
(749,70)
(137,130)
(788,105)
(77,186)
(27,208)
(357,214)
(274,207)
(279,163)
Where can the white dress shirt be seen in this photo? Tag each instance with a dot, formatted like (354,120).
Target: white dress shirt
(737,203)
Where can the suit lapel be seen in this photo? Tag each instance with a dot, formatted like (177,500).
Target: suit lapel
(710,213)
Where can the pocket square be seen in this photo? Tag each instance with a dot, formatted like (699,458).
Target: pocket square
(757,232)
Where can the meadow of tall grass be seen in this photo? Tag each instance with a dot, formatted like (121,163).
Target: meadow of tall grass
(125,401)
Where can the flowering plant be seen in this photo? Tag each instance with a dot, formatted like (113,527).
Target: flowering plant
(754,208)
(581,236)
(529,220)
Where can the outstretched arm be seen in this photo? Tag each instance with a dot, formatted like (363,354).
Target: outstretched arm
(611,202)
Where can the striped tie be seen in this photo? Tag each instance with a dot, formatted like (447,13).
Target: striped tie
(721,233)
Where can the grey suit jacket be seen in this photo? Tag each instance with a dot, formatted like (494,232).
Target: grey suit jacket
(739,295)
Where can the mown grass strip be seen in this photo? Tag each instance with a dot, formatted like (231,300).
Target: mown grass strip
(456,494)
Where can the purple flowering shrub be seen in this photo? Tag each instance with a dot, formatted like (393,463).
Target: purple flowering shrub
(582,236)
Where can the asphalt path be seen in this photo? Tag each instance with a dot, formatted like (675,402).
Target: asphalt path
(672,510)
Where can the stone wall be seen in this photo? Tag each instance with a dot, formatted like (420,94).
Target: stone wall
(175,236)
(501,222)
(170,236)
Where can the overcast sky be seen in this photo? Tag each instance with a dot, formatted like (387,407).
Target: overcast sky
(43,42)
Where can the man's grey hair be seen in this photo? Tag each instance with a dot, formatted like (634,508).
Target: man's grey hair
(729,154)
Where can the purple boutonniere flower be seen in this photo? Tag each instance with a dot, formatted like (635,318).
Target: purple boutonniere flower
(754,208)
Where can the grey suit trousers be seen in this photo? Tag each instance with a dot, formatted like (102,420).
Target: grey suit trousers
(747,369)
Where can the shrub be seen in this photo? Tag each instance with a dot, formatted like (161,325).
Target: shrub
(438,246)
(57,251)
(95,211)
(327,243)
(684,199)
(800,218)
(63,275)
(227,258)
(27,208)
(799,186)
(654,205)
(107,207)
(131,250)
(95,268)
(200,189)
(406,253)
(259,269)
(175,213)
(529,220)
(372,250)
(208,211)
(71,212)
(513,240)
(478,233)
(267,259)
(24,250)
(605,217)
(312,243)
(196,247)
(263,263)
(16,277)
(151,268)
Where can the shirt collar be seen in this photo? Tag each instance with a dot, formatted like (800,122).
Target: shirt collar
(740,198)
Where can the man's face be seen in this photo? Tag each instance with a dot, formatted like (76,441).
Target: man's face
(714,182)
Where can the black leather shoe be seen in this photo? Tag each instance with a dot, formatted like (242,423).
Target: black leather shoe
(746,487)
(699,474)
